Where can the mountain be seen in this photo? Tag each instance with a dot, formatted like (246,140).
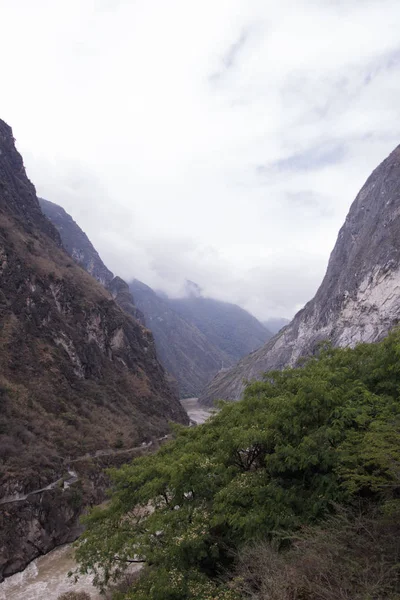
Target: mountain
(81,249)
(359,298)
(189,355)
(227,326)
(77,373)
(121,293)
(275,324)
(195,337)
(76,242)
(190,359)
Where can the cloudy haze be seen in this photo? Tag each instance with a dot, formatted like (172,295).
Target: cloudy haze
(221,141)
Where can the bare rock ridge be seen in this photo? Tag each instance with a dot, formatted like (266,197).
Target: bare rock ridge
(77,373)
(359,298)
(76,242)
(80,248)
(123,297)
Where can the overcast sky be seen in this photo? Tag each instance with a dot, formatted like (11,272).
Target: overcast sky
(221,141)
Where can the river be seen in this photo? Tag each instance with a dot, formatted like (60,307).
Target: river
(46,578)
(196,412)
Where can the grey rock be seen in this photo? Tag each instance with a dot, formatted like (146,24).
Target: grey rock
(359,298)
(76,242)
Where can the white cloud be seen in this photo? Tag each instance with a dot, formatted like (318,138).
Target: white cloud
(220,141)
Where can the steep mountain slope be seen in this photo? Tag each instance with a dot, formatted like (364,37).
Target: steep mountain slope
(183,349)
(76,242)
(227,326)
(359,298)
(122,295)
(81,249)
(77,374)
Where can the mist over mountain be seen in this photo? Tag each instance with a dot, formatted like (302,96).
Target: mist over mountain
(275,324)
(185,351)
(229,327)
(195,337)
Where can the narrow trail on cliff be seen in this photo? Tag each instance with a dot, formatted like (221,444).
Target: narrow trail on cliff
(197,415)
(73,476)
(47,576)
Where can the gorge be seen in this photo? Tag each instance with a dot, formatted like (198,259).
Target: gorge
(78,375)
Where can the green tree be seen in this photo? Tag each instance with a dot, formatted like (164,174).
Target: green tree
(302,441)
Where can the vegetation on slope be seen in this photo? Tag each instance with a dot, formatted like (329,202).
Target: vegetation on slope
(291,493)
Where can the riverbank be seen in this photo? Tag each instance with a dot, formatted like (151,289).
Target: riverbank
(197,413)
(46,577)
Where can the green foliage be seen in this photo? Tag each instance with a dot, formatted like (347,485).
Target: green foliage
(301,442)
(74,596)
(350,556)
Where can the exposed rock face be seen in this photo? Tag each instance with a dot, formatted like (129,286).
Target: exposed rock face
(37,524)
(76,242)
(80,248)
(195,336)
(359,298)
(77,374)
(122,295)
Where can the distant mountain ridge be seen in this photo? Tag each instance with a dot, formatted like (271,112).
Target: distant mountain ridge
(183,349)
(229,327)
(359,298)
(195,337)
(80,248)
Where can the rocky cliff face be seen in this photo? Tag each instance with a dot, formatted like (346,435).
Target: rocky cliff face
(359,298)
(77,374)
(76,242)
(81,249)
(122,295)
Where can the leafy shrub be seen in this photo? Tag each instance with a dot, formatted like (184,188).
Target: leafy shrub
(350,557)
(74,596)
(300,443)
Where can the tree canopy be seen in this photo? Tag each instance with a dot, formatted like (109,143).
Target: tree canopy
(302,442)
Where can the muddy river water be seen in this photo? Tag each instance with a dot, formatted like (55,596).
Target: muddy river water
(46,578)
